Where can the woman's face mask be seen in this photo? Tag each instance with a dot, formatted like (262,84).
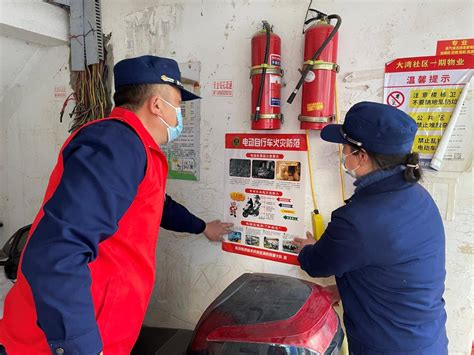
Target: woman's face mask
(350,172)
(174,132)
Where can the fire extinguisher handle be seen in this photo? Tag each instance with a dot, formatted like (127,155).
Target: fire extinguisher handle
(292,96)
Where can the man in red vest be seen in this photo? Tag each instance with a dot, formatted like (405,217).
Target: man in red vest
(88,268)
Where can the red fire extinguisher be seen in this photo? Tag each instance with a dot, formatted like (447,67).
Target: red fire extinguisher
(266,77)
(318,76)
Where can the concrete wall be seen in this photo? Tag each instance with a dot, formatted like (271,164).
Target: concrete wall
(35,61)
(192,271)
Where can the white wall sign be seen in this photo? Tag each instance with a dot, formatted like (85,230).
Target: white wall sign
(428,88)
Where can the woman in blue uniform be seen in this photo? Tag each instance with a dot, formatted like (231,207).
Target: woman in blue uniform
(386,246)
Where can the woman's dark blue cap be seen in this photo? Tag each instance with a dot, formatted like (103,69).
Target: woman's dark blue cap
(375,127)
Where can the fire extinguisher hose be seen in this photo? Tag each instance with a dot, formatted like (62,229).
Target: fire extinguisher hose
(341,173)
(268,29)
(316,218)
(310,172)
(307,68)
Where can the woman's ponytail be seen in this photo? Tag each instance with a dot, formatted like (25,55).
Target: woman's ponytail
(413,170)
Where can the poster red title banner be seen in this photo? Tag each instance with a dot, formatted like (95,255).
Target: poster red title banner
(291,142)
(455,46)
(259,253)
(264,226)
(263,192)
(264,156)
(430,63)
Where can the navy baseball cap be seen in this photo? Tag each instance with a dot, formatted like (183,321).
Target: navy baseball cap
(375,127)
(149,69)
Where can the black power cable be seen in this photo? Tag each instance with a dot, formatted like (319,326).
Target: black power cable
(268,29)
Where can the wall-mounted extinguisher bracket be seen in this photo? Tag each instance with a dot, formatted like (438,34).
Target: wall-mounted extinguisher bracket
(308,122)
(318,75)
(322,65)
(270,69)
(266,75)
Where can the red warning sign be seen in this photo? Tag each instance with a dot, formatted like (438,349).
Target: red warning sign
(395,99)
(455,46)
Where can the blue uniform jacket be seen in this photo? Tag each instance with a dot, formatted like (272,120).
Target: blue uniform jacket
(386,247)
(177,218)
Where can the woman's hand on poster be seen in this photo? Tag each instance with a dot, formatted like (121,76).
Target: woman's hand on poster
(215,230)
(302,242)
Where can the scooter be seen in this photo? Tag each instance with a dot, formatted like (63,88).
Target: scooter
(251,209)
(256,314)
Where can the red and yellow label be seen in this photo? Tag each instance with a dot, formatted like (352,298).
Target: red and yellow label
(315,106)
(455,46)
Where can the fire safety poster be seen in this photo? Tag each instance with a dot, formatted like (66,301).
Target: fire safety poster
(428,88)
(265,194)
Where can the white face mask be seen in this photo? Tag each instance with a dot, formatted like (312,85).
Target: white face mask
(350,172)
(173,132)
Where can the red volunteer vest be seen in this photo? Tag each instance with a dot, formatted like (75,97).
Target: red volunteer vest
(123,273)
